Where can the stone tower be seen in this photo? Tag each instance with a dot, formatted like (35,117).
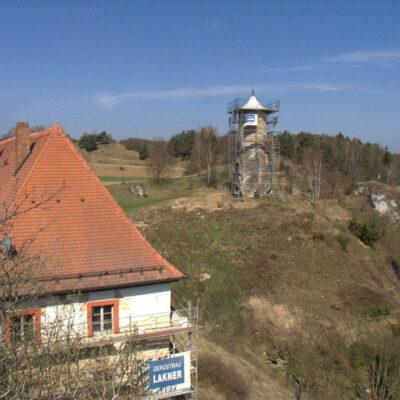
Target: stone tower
(253,152)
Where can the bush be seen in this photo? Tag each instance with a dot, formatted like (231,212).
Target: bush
(356,355)
(143,151)
(380,312)
(319,236)
(369,231)
(396,329)
(344,240)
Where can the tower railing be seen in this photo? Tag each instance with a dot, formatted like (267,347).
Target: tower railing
(239,102)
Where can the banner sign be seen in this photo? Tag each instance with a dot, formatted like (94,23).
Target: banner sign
(168,372)
(251,119)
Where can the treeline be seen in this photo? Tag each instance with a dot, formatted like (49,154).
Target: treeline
(329,165)
(341,162)
(90,141)
(201,149)
(142,146)
(32,129)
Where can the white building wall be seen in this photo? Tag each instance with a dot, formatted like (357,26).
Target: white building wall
(142,307)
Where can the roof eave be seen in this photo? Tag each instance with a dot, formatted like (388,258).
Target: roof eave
(115,286)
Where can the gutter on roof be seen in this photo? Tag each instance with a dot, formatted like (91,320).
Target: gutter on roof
(117,286)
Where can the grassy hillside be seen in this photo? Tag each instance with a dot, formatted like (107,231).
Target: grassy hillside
(114,161)
(286,292)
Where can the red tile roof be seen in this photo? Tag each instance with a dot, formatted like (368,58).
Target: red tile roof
(86,239)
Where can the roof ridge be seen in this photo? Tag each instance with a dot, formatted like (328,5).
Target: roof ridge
(111,198)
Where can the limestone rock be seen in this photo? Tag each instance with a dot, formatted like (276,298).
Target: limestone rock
(138,190)
(384,204)
(359,189)
(294,191)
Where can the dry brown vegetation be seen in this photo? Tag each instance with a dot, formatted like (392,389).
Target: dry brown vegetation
(114,160)
(282,290)
(215,372)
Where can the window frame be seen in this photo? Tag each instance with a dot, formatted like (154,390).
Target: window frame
(37,326)
(115,314)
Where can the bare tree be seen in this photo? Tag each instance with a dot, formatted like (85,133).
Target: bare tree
(353,158)
(204,152)
(160,160)
(11,131)
(54,361)
(313,164)
(384,372)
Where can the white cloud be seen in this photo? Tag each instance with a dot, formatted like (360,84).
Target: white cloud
(355,59)
(366,57)
(111,100)
(300,68)
(115,99)
(322,87)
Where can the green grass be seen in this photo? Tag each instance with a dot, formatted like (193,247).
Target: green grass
(157,193)
(111,153)
(120,178)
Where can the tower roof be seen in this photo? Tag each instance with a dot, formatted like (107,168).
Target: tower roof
(253,103)
(85,238)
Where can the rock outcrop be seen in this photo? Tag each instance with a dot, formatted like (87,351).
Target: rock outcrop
(138,190)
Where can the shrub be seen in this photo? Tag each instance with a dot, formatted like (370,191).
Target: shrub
(396,329)
(318,236)
(380,312)
(369,231)
(356,355)
(344,240)
(143,151)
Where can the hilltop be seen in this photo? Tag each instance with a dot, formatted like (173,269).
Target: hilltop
(289,291)
(113,162)
(286,291)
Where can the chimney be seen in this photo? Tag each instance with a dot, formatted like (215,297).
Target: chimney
(21,143)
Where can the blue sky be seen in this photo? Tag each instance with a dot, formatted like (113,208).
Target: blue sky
(152,68)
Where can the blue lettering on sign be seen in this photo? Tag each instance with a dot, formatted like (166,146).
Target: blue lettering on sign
(167,372)
(250,118)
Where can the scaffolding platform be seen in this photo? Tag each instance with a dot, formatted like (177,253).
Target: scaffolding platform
(273,105)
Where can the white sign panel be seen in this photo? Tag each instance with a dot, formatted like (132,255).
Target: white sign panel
(251,119)
(169,375)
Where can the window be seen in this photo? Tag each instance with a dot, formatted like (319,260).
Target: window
(23,326)
(103,316)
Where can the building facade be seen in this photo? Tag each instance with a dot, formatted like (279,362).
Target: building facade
(84,268)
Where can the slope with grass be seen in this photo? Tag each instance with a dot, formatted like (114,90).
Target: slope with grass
(114,161)
(286,291)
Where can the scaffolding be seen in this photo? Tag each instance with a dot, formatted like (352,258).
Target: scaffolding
(253,152)
(182,341)
(153,337)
